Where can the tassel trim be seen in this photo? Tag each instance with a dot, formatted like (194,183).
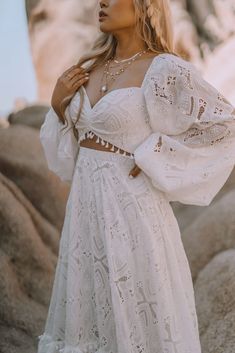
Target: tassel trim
(91,134)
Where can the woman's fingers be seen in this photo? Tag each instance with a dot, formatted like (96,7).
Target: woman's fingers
(77,77)
(73,68)
(78,82)
(134,171)
(68,83)
(72,72)
(75,73)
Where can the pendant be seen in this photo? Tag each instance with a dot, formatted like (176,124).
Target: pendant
(104,88)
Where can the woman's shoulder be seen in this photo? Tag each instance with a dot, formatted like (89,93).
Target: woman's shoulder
(168,62)
(170,71)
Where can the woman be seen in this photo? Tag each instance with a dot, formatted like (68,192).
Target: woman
(123,282)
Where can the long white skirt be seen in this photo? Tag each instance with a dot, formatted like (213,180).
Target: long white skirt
(122,282)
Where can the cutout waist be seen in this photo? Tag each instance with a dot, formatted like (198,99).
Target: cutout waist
(91,140)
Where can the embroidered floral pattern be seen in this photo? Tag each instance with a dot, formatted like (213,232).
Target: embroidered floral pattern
(123,282)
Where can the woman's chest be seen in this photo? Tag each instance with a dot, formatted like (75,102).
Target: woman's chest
(120,109)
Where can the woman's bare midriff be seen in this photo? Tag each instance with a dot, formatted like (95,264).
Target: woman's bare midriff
(91,143)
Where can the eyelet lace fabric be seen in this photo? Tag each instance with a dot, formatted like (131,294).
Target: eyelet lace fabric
(122,282)
(190,152)
(121,268)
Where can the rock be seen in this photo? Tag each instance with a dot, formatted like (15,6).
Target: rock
(186,214)
(185,33)
(28,253)
(32,206)
(23,162)
(4,123)
(215,302)
(214,19)
(33,116)
(210,233)
(70,26)
(221,61)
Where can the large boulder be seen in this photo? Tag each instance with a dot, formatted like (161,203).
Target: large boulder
(210,233)
(32,115)
(28,253)
(23,162)
(221,62)
(187,214)
(68,27)
(185,33)
(213,19)
(215,302)
(32,209)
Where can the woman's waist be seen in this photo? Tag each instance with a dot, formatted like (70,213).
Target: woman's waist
(93,141)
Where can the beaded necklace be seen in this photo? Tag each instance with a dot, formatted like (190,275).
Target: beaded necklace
(112,76)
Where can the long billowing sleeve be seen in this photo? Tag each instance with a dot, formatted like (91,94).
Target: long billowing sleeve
(59,144)
(191,151)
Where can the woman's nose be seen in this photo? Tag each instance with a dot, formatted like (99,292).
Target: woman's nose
(103,3)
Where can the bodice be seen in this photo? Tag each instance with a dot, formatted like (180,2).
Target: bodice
(120,117)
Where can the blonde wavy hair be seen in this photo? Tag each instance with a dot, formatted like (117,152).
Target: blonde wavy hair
(153,24)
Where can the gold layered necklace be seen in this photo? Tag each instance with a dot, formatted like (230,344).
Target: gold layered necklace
(111,76)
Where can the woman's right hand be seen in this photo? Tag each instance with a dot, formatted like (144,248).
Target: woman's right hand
(67,84)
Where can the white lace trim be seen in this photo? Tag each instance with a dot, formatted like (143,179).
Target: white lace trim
(48,345)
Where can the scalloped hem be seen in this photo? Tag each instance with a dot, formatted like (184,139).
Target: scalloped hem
(48,345)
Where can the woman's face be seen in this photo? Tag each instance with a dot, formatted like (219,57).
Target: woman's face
(120,15)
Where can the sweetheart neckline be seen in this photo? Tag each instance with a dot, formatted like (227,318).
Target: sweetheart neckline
(123,88)
(102,98)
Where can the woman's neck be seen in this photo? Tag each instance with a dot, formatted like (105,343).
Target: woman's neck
(128,45)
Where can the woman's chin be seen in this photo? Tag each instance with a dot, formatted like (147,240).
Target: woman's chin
(104,28)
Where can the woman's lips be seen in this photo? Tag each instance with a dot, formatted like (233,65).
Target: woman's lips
(102,15)
(102,18)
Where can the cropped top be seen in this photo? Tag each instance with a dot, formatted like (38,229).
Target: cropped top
(179,128)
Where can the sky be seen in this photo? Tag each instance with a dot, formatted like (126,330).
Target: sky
(17,75)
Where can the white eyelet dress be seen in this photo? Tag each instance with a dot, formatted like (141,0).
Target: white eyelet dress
(122,282)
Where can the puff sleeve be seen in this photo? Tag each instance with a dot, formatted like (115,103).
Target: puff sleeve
(191,151)
(59,144)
